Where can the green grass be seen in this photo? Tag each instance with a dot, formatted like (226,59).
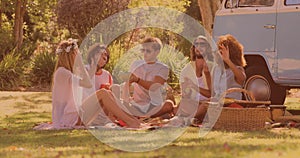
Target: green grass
(292,103)
(20,111)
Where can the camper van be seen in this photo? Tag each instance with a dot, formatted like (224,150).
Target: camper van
(270,33)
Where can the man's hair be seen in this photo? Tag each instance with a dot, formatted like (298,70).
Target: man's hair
(155,42)
(208,54)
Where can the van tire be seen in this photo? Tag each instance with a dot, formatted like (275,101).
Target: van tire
(257,74)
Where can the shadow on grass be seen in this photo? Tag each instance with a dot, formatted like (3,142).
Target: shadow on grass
(10,97)
(24,106)
(36,98)
(218,148)
(190,136)
(17,130)
(238,144)
(268,134)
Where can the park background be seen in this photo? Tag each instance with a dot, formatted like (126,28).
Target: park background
(31,30)
(29,33)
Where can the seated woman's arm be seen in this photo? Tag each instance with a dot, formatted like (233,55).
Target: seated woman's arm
(85,80)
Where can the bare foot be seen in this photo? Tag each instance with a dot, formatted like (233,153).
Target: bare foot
(135,123)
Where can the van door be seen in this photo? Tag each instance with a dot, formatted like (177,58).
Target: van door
(288,40)
(252,22)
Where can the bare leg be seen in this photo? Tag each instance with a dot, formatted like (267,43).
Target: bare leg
(79,122)
(167,108)
(201,112)
(109,103)
(186,108)
(109,115)
(105,99)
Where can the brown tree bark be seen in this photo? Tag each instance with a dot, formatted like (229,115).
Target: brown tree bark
(18,26)
(208,9)
(1,14)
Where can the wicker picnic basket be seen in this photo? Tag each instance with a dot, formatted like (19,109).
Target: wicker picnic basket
(248,118)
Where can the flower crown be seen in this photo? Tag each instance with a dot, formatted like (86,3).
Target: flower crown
(67,49)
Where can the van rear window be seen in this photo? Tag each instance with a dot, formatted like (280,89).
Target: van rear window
(248,3)
(292,2)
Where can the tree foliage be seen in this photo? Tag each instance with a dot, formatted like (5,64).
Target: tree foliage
(179,5)
(79,16)
(38,24)
(166,17)
(43,23)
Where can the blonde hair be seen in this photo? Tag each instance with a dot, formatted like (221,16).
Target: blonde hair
(66,51)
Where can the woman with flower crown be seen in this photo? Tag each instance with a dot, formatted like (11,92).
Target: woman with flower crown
(64,105)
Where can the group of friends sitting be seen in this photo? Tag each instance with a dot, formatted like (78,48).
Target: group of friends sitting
(102,102)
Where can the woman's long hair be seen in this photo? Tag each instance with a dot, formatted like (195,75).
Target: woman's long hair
(236,54)
(94,49)
(66,51)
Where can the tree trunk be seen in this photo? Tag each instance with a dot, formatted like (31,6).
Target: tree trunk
(208,9)
(18,27)
(1,3)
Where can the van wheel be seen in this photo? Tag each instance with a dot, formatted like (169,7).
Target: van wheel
(260,83)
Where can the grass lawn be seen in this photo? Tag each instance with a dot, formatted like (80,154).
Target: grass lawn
(293,103)
(20,111)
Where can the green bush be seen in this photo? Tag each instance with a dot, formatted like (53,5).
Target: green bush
(27,50)
(176,61)
(116,51)
(6,39)
(42,68)
(11,72)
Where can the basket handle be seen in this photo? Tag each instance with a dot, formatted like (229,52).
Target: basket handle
(248,95)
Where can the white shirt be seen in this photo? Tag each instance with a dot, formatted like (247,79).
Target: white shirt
(103,78)
(231,83)
(202,84)
(189,72)
(97,80)
(147,72)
